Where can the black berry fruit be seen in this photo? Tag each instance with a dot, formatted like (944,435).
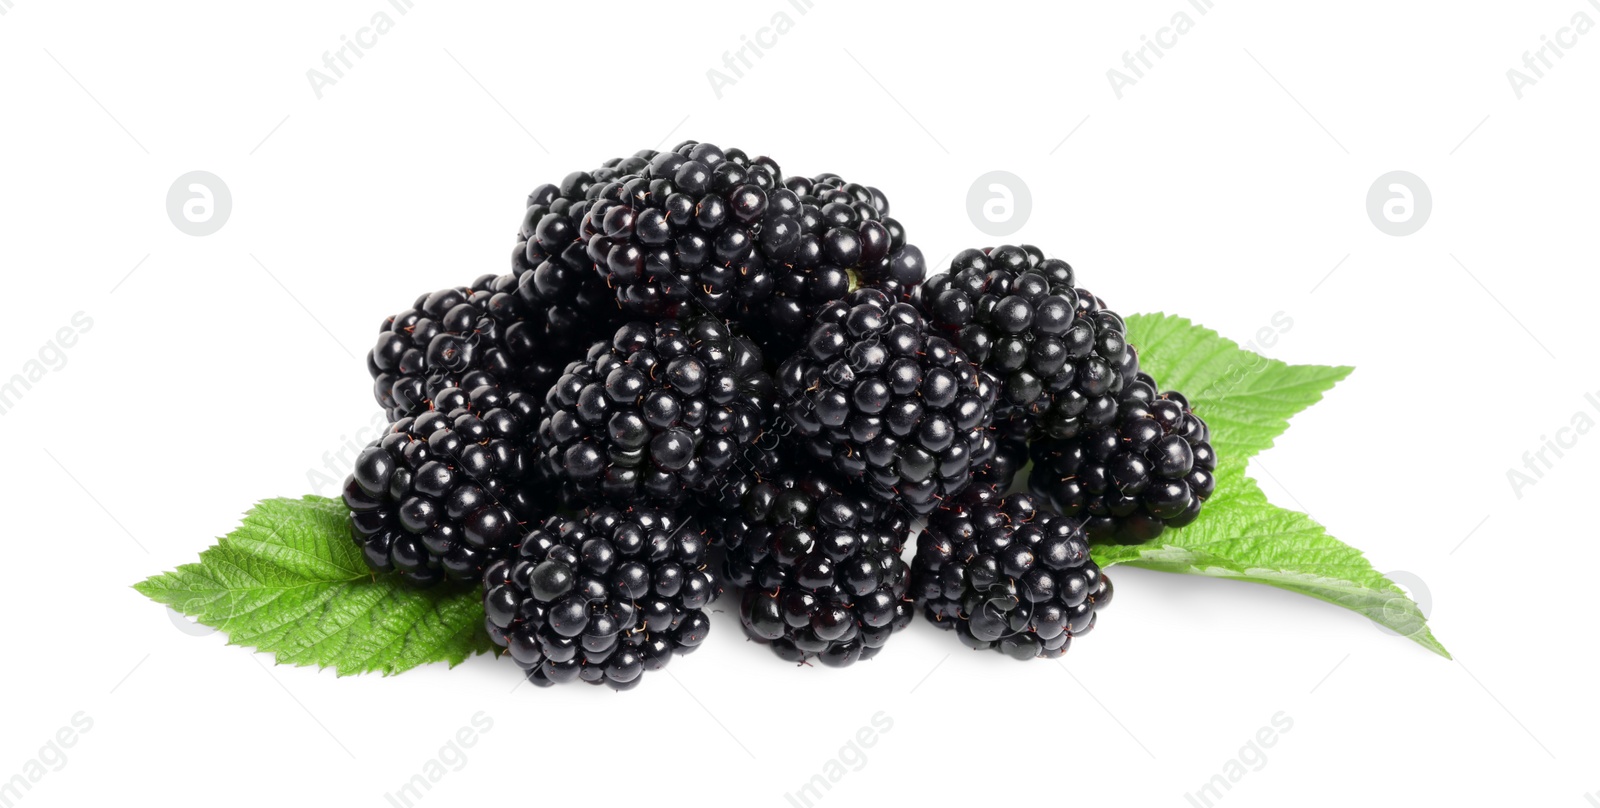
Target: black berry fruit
(569,198)
(820,568)
(1150,470)
(717,230)
(847,241)
(443,494)
(888,403)
(658,414)
(602,597)
(1006,575)
(692,227)
(1061,356)
(465,337)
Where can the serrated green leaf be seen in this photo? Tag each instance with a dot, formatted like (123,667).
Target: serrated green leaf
(290,582)
(1241,536)
(1246,399)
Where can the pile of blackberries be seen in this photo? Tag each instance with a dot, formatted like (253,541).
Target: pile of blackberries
(700,373)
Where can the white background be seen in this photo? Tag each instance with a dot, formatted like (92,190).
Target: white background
(1228,185)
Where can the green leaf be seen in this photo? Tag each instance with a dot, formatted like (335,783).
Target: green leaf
(1247,401)
(290,582)
(1241,536)
(1245,398)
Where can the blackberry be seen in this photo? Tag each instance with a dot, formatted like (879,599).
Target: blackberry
(1006,575)
(443,494)
(820,568)
(516,330)
(569,198)
(601,597)
(890,404)
(718,230)
(660,413)
(1061,356)
(833,212)
(1151,470)
(693,226)
(464,337)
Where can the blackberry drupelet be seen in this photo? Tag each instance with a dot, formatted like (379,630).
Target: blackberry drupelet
(1062,357)
(443,494)
(891,405)
(658,414)
(1006,575)
(820,568)
(1151,470)
(601,597)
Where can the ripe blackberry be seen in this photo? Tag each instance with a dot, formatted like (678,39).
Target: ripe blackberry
(834,212)
(820,568)
(1061,356)
(659,413)
(880,397)
(721,231)
(601,597)
(1150,470)
(1005,575)
(570,198)
(694,224)
(463,337)
(443,494)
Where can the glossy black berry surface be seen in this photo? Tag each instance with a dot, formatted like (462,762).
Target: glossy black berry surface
(1007,575)
(465,337)
(443,494)
(1010,455)
(1061,357)
(602,597)
(659,414)
(1150,470)
(689,228)
(819,567)
(726,233)
(887,403)
(847,241)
